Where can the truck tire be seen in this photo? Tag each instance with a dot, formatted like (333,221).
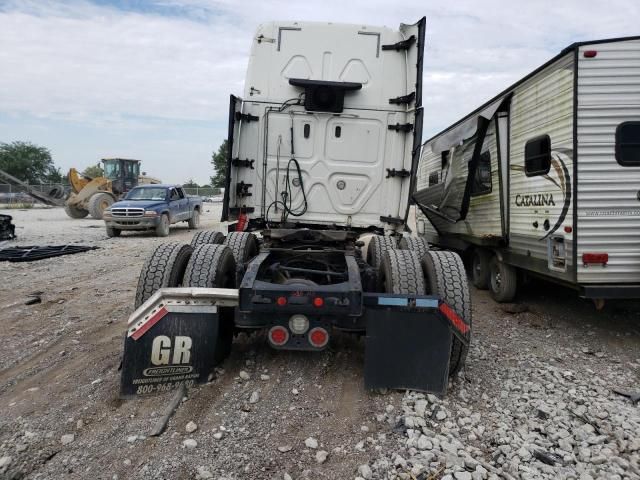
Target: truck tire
(480,272)
(194,221)
(98,203)
(214,266)
(244,246)
(165,267)
(503,281)
(447,278)
(401,272)
(207,236)
(378,245)
(113,232)
(415,244)
(75,212)
(164,226)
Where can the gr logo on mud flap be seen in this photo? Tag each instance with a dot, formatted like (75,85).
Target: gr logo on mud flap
(163,352)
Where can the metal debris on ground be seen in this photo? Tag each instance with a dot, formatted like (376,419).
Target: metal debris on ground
(633,396)
(7,229)
(34,252)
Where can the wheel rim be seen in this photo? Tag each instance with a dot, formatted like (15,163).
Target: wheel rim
(496,279)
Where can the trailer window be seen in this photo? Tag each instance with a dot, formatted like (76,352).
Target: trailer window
(434,178)
(628,144)
(537,156)
(482,179)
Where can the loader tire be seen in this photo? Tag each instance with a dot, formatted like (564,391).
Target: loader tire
(446,277)
(415,244)
(165,267)
(244,246)
(378,245)
(214,266)
(207,236)
(401,273)
(503,281)
(480,272)
(75,212)
(98,203)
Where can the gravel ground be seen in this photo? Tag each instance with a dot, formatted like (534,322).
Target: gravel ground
(535,400)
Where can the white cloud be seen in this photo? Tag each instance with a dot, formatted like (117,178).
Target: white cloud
(141,76)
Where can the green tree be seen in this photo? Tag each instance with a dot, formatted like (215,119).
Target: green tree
(219,163)
(190,184)
(93,171)
(28,162)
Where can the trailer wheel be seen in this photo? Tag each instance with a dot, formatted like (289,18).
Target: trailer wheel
(165,267)
(98,203)
(503,281)
(447,278)
(378,245)
(208,236)
(401,272)
(480,271)
(244,246)
(214,266)
(415,244)
(75,212)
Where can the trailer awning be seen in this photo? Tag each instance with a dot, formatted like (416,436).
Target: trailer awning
(466,129)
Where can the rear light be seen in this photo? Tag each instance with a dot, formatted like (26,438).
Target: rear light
(595,258)
(318,337)
(318,302)
(281,301)
(278,335)
(298,324)
(568,229)
(590,53)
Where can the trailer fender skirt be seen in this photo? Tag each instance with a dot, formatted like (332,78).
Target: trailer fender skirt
(408,342)
(171,339)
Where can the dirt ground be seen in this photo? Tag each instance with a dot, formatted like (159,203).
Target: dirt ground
(59,373)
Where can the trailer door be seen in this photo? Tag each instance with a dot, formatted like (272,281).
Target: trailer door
(608,189)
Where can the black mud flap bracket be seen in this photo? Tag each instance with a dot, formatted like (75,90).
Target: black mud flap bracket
(408,342)
(171,339)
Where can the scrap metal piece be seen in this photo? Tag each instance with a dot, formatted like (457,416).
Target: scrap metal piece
(7,229)
(35,252)
(161,424)
(633,396)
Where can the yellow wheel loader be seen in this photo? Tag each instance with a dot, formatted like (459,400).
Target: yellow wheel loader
(94,195)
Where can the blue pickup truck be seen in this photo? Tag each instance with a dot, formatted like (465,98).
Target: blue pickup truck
(153,207)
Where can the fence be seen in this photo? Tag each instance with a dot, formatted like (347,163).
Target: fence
(16,195)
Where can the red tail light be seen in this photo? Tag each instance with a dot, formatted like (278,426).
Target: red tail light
(590,53)
(278,335)
(281,301)
(318,337)
(595,258)
(318,302)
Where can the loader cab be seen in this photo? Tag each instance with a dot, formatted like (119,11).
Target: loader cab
(122,172)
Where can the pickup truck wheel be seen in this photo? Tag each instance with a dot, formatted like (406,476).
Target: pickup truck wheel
(401,273)
(244,246)
(378,245)
(163,227)
(502,281)
(480,272)
(113,232)
(75,212)
(194,221)
(165,267)
(207,236)
(415,244)
(214,266)
(98,203)
(446,277)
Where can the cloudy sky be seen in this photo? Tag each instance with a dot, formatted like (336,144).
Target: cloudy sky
(151,79)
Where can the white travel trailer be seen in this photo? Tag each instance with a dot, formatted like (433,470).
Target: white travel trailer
(545,177)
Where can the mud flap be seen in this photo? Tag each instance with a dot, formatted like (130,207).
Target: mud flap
(171,340)
(408,343)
